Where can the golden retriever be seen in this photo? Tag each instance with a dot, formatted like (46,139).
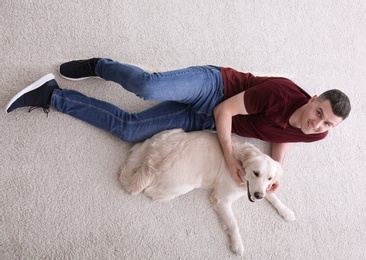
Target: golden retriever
(174,162)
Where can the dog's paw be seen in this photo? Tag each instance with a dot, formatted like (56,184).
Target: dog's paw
(287,214)
(237,247)
(236,244)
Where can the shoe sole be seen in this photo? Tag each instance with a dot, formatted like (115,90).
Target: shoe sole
(77,79)
(73,79)
(31,87)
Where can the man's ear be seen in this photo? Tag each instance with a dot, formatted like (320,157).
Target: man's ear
(313,99)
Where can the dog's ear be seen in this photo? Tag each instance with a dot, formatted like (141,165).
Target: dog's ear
(246,154)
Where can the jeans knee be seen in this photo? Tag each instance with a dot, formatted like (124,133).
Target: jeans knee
(146,87)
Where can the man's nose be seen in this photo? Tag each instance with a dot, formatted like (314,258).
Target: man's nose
(317,125)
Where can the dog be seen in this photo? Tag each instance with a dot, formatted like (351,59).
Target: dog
(173,162)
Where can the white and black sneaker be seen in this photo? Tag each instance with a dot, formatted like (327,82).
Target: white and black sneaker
(79,69)
(38,94)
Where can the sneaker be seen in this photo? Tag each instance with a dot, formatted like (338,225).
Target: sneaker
(79,69)
(37,94)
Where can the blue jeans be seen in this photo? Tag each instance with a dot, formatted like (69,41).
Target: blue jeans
(188,98)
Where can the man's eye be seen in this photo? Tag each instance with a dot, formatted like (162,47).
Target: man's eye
(256,174)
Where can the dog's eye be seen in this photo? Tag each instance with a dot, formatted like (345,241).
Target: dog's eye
(270,178)
(256,174)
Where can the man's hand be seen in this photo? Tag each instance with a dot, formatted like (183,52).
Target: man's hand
(236,169)
(274,187)
(278,154)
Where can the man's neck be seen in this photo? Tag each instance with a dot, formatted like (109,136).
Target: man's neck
(295,118)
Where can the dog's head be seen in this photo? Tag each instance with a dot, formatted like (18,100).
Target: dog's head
(260,172)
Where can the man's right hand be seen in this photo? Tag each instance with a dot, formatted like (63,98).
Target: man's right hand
(236,169)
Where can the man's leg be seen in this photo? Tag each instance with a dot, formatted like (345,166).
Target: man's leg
(199,86)
(132,127)
(190,85)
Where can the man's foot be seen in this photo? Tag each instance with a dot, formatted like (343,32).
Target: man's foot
(37,94)
(79,69)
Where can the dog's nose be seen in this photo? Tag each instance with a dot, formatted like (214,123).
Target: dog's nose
(258,195)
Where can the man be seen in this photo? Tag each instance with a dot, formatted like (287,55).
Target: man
(204,97)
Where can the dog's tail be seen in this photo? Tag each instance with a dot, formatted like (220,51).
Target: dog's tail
(136,174)
(139,180)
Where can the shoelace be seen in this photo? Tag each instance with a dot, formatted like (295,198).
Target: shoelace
(84,66)
(45,109)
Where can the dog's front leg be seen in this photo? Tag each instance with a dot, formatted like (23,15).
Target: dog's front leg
(226,215)
(284,211)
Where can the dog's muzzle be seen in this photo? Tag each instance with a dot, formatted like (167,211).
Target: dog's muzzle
(257,195)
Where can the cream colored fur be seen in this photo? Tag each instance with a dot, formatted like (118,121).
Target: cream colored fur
(173,163)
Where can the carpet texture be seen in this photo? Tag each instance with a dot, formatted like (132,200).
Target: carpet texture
(60,195)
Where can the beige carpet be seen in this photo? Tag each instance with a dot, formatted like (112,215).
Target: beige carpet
(60,196)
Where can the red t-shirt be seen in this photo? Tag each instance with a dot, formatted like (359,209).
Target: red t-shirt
(270,101)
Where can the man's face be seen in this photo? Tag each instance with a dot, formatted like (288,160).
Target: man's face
(318,117)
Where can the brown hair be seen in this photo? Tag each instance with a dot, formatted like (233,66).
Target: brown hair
(339,101)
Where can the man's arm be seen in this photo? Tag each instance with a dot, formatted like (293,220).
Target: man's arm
(278,153)
(223,120)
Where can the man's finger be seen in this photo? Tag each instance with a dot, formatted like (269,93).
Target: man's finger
(239,179)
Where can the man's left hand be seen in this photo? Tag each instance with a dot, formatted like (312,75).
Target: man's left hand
(274,187)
